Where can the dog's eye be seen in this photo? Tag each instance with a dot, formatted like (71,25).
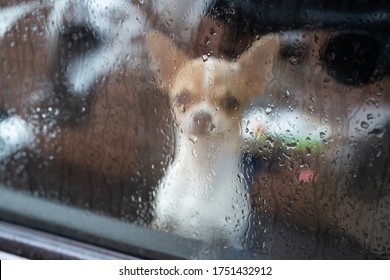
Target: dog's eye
(230,103)
(294,52)
(351,58)
(183,100)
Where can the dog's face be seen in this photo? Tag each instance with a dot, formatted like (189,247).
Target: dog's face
(204,99)
(208,95)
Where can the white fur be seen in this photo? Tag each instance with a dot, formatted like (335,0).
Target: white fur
(203,194)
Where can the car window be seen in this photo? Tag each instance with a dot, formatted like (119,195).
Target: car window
(198,129)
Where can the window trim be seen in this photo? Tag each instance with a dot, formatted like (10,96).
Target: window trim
(68,228)
(21,242)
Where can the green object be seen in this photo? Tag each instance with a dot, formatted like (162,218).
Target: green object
(285,132)
(285,142)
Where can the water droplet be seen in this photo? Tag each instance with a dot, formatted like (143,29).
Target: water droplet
(377,132)
(240,177)
(194,140)
(293,60)
(205,57)
(331,56)
(268,110)
(292,145)
(364,124)
(213,32)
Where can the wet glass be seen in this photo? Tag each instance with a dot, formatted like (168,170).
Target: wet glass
(90,126)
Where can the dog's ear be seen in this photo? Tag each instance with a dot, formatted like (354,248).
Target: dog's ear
(166,57)
(256,65)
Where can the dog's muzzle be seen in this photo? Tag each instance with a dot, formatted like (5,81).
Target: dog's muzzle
(202,123)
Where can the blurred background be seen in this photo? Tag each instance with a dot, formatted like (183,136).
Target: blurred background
(83,124)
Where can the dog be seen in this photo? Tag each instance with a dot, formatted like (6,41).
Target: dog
(203,194)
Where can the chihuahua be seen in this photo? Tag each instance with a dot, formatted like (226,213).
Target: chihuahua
(204,194)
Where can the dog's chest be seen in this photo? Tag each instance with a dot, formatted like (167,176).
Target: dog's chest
(203,190)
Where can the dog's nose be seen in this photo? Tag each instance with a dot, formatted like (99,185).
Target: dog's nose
(201,118)
(202,123)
